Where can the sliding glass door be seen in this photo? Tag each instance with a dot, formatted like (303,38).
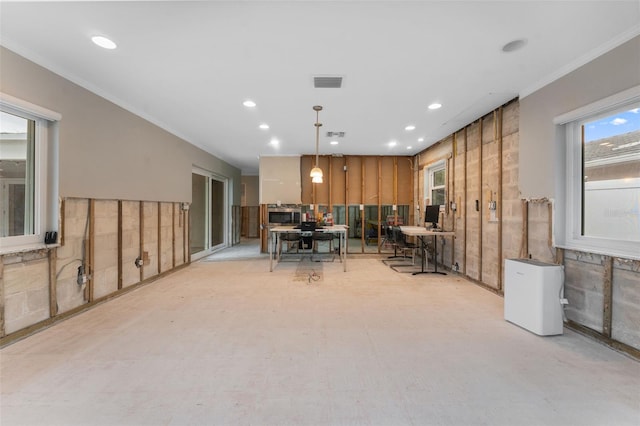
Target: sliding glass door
(209,213)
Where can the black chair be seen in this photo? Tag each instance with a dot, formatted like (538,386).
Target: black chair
(317,237)
(399,242)
(291,240)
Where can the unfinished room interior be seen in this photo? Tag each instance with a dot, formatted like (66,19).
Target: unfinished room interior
(320,213)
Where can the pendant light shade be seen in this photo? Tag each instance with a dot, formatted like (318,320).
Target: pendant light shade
(316,172)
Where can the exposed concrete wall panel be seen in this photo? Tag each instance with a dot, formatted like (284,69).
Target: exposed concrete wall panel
(625,308)
(26,292)
(151,239)
(69,294)
(583,288)
(105,268)
(130,242)
(166,233)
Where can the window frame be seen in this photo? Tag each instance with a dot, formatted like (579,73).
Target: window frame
(45,192)
(568,208)
(430,170)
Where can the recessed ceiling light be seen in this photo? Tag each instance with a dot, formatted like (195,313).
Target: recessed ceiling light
(420,139)
(435,105)
(274,142)
(334,142)
(264,126)
(410,127)
(393,143)
(409,147)
(249,103)
(103,42)
(514,45)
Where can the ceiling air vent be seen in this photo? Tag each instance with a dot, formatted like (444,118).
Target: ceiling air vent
(327,82)
(335,134)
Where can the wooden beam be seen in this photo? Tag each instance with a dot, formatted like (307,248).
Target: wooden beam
(53,292)
(159,204)
(480,153)
(607,293)
(90,248)
(2,332)
(173,235)
(362,192)
(466,209)
(379,203)
(141,233)
(499,207)
(120,269)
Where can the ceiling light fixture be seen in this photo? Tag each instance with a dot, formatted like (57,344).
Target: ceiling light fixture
(249,103)
(420,139)
(435,105)
(104,42)
(264,126)
(409,147)
(410,127)
(393,143)
(334,142)
(316,172)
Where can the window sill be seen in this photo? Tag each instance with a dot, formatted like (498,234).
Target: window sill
(27,248)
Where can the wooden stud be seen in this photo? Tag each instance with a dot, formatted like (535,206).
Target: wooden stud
(362,192)
(62,222)
(466,212)
(346,201)
(607,294)
(90,248)
(379,203)
(480,153)
(499,206)
(2,331)
(141,232)
(173,235)
(330,184)
(159,237)
(120,269)
(395,189)
(53,292)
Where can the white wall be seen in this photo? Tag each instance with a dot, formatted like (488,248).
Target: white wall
(105,151)
(613,72)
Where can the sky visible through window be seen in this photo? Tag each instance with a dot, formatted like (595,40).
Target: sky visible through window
(617,124)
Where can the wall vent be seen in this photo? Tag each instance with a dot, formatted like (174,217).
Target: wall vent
(327,82)
(335,134)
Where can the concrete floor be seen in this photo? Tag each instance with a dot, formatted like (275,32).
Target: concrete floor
(228,343)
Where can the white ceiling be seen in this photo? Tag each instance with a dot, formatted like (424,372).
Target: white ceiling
(188,66)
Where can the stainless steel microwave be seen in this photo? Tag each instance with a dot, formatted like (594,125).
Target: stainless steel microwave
(284,216)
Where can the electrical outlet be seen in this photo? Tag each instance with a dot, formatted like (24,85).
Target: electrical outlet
(139,262)
(81,278)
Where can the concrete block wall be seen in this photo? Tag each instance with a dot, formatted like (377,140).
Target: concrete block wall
(150,239)
(526,231)
(625,306)
(39,286)
(75,233)
(104,270)
(583,287)
(26,289)
(130,242)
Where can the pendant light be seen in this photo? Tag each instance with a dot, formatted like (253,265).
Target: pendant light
(316,172)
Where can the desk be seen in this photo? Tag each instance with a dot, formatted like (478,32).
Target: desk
(421,233)
(341,230)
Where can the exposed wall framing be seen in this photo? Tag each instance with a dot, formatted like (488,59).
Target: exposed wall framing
(104,236)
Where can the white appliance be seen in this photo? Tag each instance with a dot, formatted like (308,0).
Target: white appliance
(533,295)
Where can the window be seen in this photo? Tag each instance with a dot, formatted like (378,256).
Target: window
(602,178)
(28,190)
(435,183)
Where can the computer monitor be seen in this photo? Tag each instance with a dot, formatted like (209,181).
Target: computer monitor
(432,215)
